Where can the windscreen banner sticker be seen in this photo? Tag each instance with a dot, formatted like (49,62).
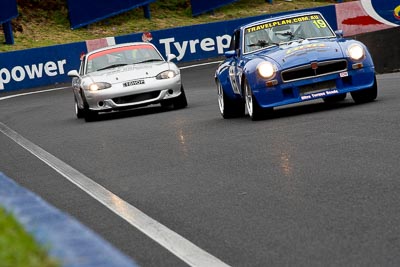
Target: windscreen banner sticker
(317,20)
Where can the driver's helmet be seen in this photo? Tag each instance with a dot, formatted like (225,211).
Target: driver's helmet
(252,38)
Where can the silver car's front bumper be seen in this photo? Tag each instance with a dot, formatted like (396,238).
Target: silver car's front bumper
(119,97)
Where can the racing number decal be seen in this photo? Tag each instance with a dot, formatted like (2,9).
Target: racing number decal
(319,23)
(232,78)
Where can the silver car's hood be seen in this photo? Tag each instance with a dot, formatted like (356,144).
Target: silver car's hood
(130,72)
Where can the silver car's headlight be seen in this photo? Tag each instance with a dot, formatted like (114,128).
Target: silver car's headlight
(168,74)
(99,86)
(356,52)
(266,69)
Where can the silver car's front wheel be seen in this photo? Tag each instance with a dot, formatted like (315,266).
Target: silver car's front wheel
(78,111)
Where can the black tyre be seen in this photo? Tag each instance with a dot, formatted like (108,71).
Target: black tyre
(90,115)
(78,111)
(366,95)
(229,108)
(180,101)
(255,111)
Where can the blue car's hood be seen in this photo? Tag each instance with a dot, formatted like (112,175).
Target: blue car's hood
(299,53)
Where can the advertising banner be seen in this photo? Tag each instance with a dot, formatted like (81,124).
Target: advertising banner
(201,6)
(38,67)
(208,40)
(8,10)
(85,12)
(367,16)
(49,65)
(386,12)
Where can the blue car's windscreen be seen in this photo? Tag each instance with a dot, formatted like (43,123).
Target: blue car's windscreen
(285,30)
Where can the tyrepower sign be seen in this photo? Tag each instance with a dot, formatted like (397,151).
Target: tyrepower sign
(38,67)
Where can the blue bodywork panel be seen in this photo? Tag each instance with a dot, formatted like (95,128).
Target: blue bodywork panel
(310,61)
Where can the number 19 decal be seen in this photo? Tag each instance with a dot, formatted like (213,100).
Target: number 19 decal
(319,23)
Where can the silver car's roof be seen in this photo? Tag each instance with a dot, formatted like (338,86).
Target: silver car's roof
(117,46)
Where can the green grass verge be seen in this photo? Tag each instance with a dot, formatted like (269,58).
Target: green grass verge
(40,24)
(18,248)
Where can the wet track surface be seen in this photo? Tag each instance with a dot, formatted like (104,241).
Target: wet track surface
(314,185)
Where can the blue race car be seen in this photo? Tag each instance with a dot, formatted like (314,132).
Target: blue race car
(290,59)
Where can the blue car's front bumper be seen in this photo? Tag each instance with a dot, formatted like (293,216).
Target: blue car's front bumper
(314,88)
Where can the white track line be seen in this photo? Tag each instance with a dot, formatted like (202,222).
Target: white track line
(176,244)
(31,93)
(201,64)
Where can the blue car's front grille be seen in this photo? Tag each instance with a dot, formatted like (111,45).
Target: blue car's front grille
(314,69)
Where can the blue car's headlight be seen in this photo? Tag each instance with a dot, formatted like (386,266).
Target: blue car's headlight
(356,52)
(99,86)
(266,69)
(168,74)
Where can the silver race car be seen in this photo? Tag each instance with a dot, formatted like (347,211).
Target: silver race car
(125,76)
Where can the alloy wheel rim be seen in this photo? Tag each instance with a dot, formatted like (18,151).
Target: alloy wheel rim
(249,100)
(220,99)
(76,107)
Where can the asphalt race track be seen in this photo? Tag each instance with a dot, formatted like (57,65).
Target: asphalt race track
(315,185)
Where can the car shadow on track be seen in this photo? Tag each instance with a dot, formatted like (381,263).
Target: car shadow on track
(310,107)
(129,113)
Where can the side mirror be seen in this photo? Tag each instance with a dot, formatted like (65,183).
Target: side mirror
(339,33)
(170,57)
(230,53)
(73,73)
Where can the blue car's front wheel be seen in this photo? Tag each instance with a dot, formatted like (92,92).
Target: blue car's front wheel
(255,111)
(366,95)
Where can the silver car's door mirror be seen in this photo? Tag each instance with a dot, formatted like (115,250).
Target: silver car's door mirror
(170,57)
(73,73)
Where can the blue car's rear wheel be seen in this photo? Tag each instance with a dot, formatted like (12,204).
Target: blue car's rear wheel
(229,108)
